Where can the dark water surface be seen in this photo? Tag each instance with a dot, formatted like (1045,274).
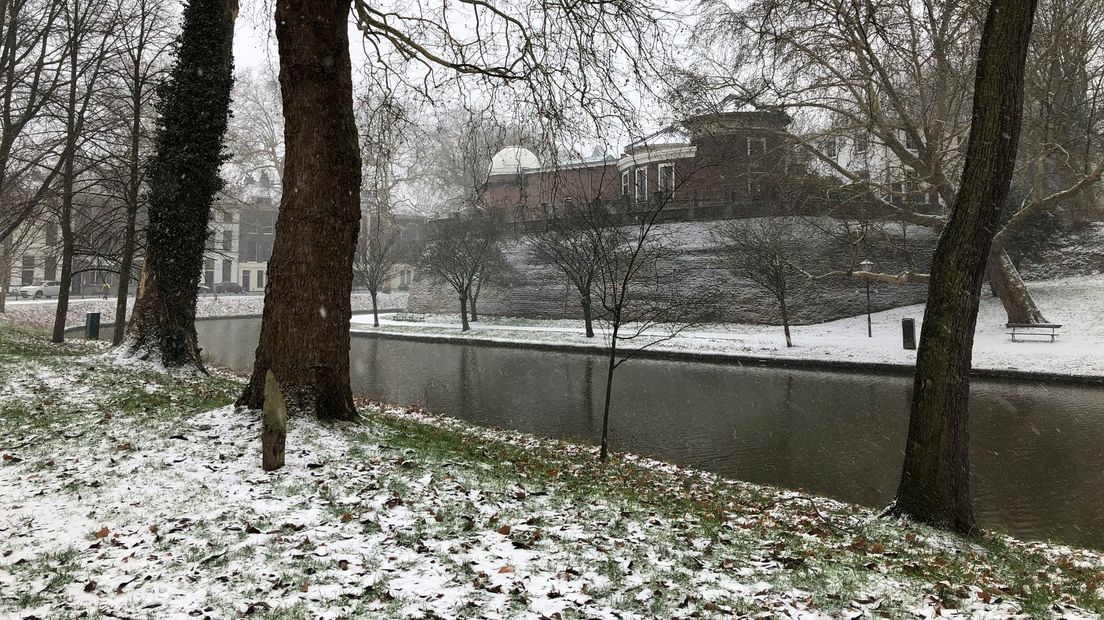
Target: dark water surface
(1037,450)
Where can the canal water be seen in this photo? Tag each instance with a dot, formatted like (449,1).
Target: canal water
(1037,450)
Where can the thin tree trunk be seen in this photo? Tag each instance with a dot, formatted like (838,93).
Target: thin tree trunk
(588,317)
(464,326)
(472,300)
(935,478)
(785,321)
(124,276)
(603,452)
(67,243)
(6,259)
(305,326)
(375,310)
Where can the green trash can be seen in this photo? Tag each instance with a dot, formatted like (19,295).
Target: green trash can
(92,326)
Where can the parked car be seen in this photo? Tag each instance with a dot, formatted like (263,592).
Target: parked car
(41,289)
(228,287)
(203,289)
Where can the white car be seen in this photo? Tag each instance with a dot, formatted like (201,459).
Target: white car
(40,290)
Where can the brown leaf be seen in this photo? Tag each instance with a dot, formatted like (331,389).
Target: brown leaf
(506,569)
(346,517)
(103,533)
(90,586)
(505,530)
(11,458)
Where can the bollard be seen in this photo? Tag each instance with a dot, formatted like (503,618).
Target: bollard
(92,326)
(908,332)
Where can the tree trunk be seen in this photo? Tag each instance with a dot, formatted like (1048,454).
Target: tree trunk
(1010,288)
(471,301)
(464,326)
(305,326)
(67,244)
(6,258)
(785,321)
(934,486)
(194,111)
(273,425)
(588,318)
(375,310)
(603,452)
(124,276)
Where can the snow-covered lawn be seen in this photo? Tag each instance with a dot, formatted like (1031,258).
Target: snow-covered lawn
(139,495)
(40,313)
(1076,303)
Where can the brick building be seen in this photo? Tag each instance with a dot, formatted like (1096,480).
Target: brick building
(726,163)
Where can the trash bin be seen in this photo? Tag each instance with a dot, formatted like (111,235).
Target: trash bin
(92,326)
(908,333)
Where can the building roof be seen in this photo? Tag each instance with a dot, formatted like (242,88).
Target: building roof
(513,160)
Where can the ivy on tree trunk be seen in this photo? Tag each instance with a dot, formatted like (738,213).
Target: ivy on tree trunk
(183,178)
(305,326)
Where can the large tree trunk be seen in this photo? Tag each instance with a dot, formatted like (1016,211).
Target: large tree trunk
(1010,288)
(183,181)
(305,328)
(934,486)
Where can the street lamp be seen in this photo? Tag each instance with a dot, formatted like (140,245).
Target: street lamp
(868,267)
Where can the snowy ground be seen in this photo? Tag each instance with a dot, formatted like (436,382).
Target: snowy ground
(40,313)
(138,495)
(1076,303)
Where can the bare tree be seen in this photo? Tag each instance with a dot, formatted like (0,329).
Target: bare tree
(89,31)
(935,479)
(145,32)
(462,251)
(574,245)
(255,133)
(886,88)
(32,73)
(762,250)
(643,299)
(376,262)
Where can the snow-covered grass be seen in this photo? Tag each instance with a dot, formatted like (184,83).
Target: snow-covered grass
(1075,303)
(40,313)
(137,494)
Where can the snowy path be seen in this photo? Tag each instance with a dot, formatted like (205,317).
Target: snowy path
(1076,303)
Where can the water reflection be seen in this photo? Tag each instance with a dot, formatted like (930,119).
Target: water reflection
(1037,450)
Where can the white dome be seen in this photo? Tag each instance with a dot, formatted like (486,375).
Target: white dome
(513,160)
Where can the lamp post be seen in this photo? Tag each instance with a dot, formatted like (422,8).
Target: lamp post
(868,267)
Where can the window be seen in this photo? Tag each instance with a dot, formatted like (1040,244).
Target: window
(860,146)
(227,239)
(27,277)
(911,144)
(227,270)
(51,234)
(895,197)
(260,279)
(625,183)
(245,280)
(666,180)
(51,267)
(641,184)
(830,147)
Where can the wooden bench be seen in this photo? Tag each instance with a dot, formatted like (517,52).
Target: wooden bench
(1033,329)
